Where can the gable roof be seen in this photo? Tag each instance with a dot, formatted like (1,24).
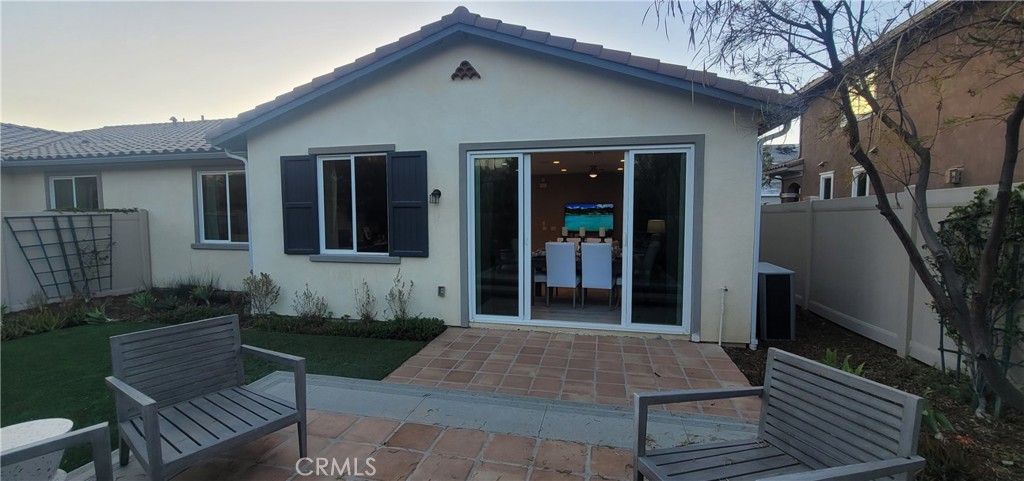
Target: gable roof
(21,144)
(231,133)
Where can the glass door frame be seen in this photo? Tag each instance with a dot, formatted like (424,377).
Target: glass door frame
(689,152)
(525,229)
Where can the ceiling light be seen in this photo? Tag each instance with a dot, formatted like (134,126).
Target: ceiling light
(622,161)
(593,172)
(619,169)
(564,169)
(556,161)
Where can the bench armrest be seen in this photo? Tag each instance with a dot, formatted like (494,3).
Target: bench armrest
(97,436)
(150,420)
(273,356)
(298,365)
(856,472)
(642,401)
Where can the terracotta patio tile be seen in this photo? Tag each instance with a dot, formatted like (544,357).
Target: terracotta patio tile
(440,363)
(517,382)
(497,367)
(481,388)
(609,356)
(406,371)
(610,377)
(394,464)
(523,370)
(673,383)
(344,450)
(483,346)
(589,356)
(460,376)
(636,359)
(423,382)
(255,450)
(545,475)
(612,463)
(552,372)
(703,383)
(531,342)
(330,425)
(632,349)
(669,371)
(432,374)
(493,337)
(577,397)
(476,356)
(711,351)
(370,430)
(660,351)
(729,375)
(497,472)
(262,472)
(562,339)
(585,339)
(465,365)
(542,394)
(614,366)
(634,368)
(554,362)
(539,335)
(414,436)
(528,359)
(488,379)
(442,468)
(516,334)
(508,348)
(633,341)
(397,380)
(562,456)
(287,453)
(533,351)
(546,384)
(418,360)
(582,364)
(502,357)
(461,345)
(699,374)
(578,387)
(452,354)
(465,443)
(610,390)
(510,449)
(684,407)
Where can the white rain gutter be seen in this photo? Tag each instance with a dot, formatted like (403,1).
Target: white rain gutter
(757,228)
(248,217)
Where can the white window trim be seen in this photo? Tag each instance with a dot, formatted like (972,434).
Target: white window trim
(74,189)
(856,171)
(832,185)
(199,199)
(320,159)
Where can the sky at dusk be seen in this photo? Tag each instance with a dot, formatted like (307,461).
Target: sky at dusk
(81,65)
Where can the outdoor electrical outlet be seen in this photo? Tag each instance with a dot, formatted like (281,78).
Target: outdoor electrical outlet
(440,291)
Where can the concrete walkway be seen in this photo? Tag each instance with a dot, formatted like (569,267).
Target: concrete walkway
(417,432)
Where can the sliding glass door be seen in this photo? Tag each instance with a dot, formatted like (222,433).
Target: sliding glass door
(657,278)
(496,225)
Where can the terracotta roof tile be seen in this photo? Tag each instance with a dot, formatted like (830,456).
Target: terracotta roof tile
(463,16)
(28,143)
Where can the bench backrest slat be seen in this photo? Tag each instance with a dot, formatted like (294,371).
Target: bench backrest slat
(177,363)
(826,417)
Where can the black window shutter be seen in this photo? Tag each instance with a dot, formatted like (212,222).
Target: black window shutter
(299,197)
(407,201)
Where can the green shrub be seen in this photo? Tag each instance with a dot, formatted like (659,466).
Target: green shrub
(182,314)
(202,293)
(262,292)
(947,460)
(144,301)
(183,285)
(309,305)
(399,297)
(366,303)
(408,329)
(832,360)
(13,328)
(96,315)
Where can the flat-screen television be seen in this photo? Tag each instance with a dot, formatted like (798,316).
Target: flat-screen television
(591,216)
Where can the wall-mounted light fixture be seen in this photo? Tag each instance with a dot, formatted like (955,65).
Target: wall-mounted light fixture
(435,197)
(593,172)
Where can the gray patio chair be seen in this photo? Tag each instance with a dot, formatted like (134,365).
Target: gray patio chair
(97,436)
(817,424)
(181,395)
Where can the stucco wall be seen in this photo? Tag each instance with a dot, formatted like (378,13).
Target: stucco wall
(416,106)
(167,193)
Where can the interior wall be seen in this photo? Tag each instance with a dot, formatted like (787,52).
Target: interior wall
(548,209)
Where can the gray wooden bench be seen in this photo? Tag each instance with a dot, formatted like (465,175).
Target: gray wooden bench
(817,423)
(181,396)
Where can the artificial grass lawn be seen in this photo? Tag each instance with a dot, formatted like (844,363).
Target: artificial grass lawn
(60,373)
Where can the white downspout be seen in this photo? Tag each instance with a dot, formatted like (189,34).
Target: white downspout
(248,203)
(757,228)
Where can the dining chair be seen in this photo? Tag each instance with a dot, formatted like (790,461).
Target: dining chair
(593,240)
(597,269)
(561,263)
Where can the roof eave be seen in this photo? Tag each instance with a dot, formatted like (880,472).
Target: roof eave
(142,159)
(232,138)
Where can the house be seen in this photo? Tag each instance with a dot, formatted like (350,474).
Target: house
(195,195)
(776,158)
(455,154)
(964,154)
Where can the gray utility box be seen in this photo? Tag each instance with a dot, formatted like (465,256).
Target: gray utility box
(776,308)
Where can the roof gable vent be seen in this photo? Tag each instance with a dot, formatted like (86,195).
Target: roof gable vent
(465,71)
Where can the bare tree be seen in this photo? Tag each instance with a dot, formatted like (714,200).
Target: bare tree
(857,49)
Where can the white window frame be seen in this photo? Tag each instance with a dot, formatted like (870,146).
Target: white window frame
(200,212)
(831,175)
(74,189)
(320,159)
(855,172)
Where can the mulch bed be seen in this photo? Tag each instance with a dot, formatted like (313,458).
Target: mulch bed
(979,449)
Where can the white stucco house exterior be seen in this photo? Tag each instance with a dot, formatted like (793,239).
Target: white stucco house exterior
(455,155)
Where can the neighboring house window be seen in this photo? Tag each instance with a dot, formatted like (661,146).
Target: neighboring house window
(825,185)
(75,192)
(222,207)
(353,194)
(860,105)
(861,185)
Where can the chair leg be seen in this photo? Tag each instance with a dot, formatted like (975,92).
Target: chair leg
(302,439)
(123,453)
(547,295)
(583,298)
(611,296)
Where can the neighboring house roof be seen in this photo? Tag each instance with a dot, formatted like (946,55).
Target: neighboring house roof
(20,144)
(463,21)
(786,169)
